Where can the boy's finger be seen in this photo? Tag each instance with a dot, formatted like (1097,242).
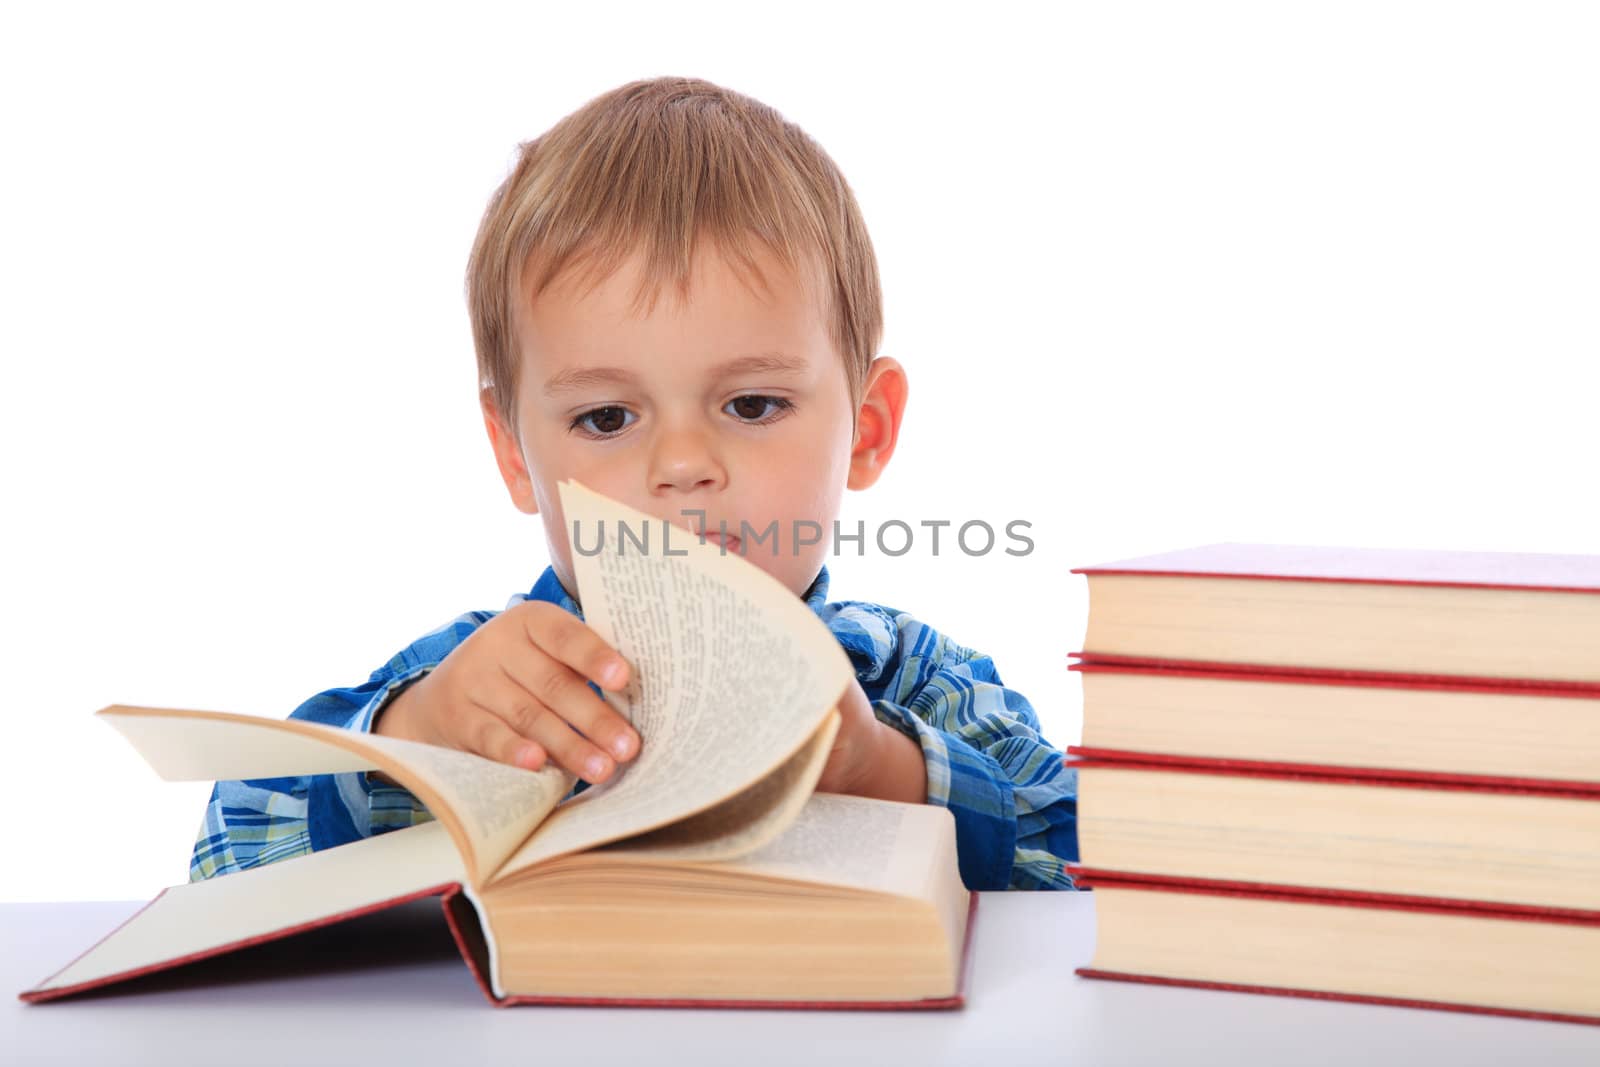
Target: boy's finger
(490,737)
(571,641)
(569,749)
(545,683)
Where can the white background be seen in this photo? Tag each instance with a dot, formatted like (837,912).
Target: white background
(1161,275)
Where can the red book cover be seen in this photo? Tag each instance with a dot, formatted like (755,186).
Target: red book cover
(1091,878)
(1286,675)
(1303,563)
(468,935)
(1087,877)
(1265,672)
(40,995)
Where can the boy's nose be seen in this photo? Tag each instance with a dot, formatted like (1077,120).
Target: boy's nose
(683,459)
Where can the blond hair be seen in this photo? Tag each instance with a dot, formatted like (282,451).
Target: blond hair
(659,165)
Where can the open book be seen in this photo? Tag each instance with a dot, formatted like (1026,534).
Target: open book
(706,872)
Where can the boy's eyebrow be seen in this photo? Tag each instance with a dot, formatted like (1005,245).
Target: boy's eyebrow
(758,363)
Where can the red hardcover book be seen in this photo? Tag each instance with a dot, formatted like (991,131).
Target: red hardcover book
(1370,948)
(1357,726)
(690,875)
(705,909)
(467,931)
(1501,618)
(1472,840)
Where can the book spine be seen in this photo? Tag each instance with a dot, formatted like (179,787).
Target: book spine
(471,941)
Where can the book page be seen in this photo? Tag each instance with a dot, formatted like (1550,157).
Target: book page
(489,808)
(741,824)
(498,805)
(218,914)
(879,845)
(732,672)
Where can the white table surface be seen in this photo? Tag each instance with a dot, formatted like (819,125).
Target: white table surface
(391,989)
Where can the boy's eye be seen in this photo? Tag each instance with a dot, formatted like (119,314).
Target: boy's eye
(611,420)
(754,407)
(606,420)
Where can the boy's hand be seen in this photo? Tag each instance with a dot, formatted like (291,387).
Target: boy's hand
(870,758)
(516,691)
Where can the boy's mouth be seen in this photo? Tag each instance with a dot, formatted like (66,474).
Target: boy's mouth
(711,535)
(729,544)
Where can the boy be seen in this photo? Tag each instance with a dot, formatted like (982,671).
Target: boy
(750,395)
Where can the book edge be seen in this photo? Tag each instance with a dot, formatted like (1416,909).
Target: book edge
(1319,994)
(1385,566)
(1090,877)
(956,1000)
(1339,579)
(1329,774)
(1277,674)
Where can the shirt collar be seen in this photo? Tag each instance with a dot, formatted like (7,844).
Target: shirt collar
(549,588)
(817,596)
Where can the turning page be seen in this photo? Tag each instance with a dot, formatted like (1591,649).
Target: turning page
(732,672)
(488,808)
(741,824)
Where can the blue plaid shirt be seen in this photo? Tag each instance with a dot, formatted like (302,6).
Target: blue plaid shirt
(1014,800)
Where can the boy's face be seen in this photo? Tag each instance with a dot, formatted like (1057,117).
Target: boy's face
(733,403)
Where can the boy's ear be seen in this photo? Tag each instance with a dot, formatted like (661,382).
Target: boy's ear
(508,455)
(883,405)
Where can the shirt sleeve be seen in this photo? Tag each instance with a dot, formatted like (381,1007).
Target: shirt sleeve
(261,820)
(1013,797)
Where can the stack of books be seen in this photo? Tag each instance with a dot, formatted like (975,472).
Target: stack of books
(1359,774)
